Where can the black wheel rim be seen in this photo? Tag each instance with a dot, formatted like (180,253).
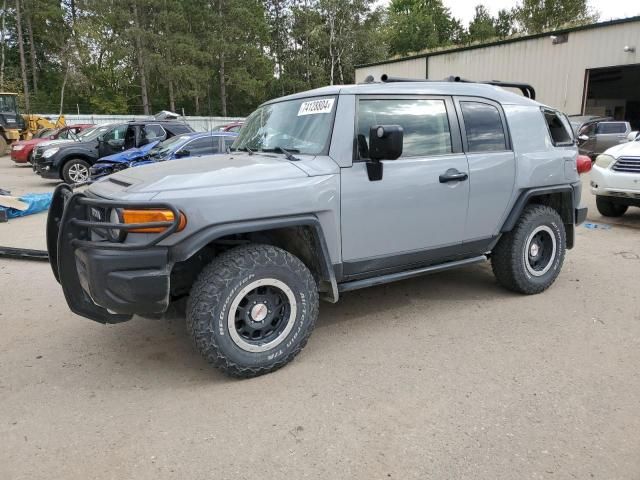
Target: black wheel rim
(540,251)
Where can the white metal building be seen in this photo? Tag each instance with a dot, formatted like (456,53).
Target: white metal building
(592,69)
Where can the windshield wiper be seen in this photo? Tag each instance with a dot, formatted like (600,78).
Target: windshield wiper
(242,149)
(289,153)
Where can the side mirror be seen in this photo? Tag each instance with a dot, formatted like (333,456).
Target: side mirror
(633,136)
(583,137)
(182,153)
(385,143)
(51,137)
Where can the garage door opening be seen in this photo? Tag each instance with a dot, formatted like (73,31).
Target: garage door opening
(614,92)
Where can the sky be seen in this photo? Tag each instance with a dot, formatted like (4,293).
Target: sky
(609,9)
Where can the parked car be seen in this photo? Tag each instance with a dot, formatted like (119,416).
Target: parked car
(615,179)
(578,121)
(597,136)
(22,151)
(71,161)
(231,127)
(187,145)
(324,192)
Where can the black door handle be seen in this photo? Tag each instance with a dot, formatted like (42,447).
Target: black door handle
(453,175)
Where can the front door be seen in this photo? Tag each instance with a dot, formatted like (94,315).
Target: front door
(112,141)
(411,216)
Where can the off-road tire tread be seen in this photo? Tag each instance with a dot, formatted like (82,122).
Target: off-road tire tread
(608,208)
(506,256)
(216,276)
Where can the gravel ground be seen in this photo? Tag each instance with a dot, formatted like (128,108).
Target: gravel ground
(445,376)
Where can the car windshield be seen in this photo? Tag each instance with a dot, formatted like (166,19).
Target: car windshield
(299,126)
(91,133)
(163,148)
(44,133)
(8,103)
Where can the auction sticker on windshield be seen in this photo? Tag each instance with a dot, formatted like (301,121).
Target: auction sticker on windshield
(316,106)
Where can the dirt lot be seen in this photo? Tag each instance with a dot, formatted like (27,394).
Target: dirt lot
(446,376)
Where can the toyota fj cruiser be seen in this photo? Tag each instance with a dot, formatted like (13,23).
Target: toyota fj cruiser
(324,192)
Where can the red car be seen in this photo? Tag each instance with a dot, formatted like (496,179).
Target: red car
(231,127)
(21,151)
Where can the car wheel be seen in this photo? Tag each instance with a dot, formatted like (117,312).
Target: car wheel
(607,208)
(528,259)
(252,309)
(30,157)
(4,147)
(75,171)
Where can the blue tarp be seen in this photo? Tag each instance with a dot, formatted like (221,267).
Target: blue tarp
(38,202)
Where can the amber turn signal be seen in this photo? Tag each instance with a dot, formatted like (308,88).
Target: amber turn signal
(152,216)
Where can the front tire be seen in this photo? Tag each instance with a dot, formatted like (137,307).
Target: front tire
(76,171)
(528,259)
(607,208)
(252,309)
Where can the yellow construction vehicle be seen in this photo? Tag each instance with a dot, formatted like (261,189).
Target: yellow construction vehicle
(14,127)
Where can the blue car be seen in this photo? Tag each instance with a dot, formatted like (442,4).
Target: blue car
(194,144)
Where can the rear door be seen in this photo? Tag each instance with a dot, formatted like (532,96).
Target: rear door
(492,167)
(112,141)
(410,216)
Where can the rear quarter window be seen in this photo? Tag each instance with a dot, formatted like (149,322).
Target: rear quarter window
(560,134)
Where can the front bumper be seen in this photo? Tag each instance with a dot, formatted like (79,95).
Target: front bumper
(20,156)
(103,280)
(607,182)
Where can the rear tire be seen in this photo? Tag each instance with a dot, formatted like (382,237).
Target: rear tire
(75,171)
(528,259)
(252,309)
(608,208)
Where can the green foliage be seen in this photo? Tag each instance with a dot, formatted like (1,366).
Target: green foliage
(211,56)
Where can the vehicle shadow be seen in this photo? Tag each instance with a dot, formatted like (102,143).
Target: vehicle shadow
(160,350)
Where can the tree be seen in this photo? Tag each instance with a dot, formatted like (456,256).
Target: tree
(536,16)
(504,23)
(23,65)
(482,26)
(415,25)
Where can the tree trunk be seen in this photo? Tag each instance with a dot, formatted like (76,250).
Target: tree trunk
(32,51)
(172,97)
(4,14)
(23,66)
(223,82)
(196,100)
(64,84)
(140,55)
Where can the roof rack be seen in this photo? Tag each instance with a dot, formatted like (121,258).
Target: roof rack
(526,89)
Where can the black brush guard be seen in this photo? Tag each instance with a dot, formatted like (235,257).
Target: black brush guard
(72,225)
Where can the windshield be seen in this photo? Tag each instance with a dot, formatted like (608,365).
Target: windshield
(163,148)
(91,133)
(300,126)
(8,103)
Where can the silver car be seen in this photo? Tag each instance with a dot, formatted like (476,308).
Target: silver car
(324,192)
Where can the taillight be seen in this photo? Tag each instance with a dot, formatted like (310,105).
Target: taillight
(583,164)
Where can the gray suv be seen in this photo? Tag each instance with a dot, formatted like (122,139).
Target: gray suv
(597,137)
(324,192)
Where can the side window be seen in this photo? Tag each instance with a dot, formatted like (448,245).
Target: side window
(483,124)
(152,132)
(557,129)
(611,128)
(63,134)
(425,124)
(202,146)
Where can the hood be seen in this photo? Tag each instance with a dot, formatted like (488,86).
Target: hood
(630,148)
(201,172)
(55,143)
(129,155)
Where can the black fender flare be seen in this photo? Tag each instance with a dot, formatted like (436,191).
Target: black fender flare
(567,212)
(188,247)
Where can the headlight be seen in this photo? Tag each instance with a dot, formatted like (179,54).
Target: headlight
(116,234)
(50,151)
(17,147)
(603,161)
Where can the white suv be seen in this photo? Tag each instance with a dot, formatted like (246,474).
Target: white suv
(615,179)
